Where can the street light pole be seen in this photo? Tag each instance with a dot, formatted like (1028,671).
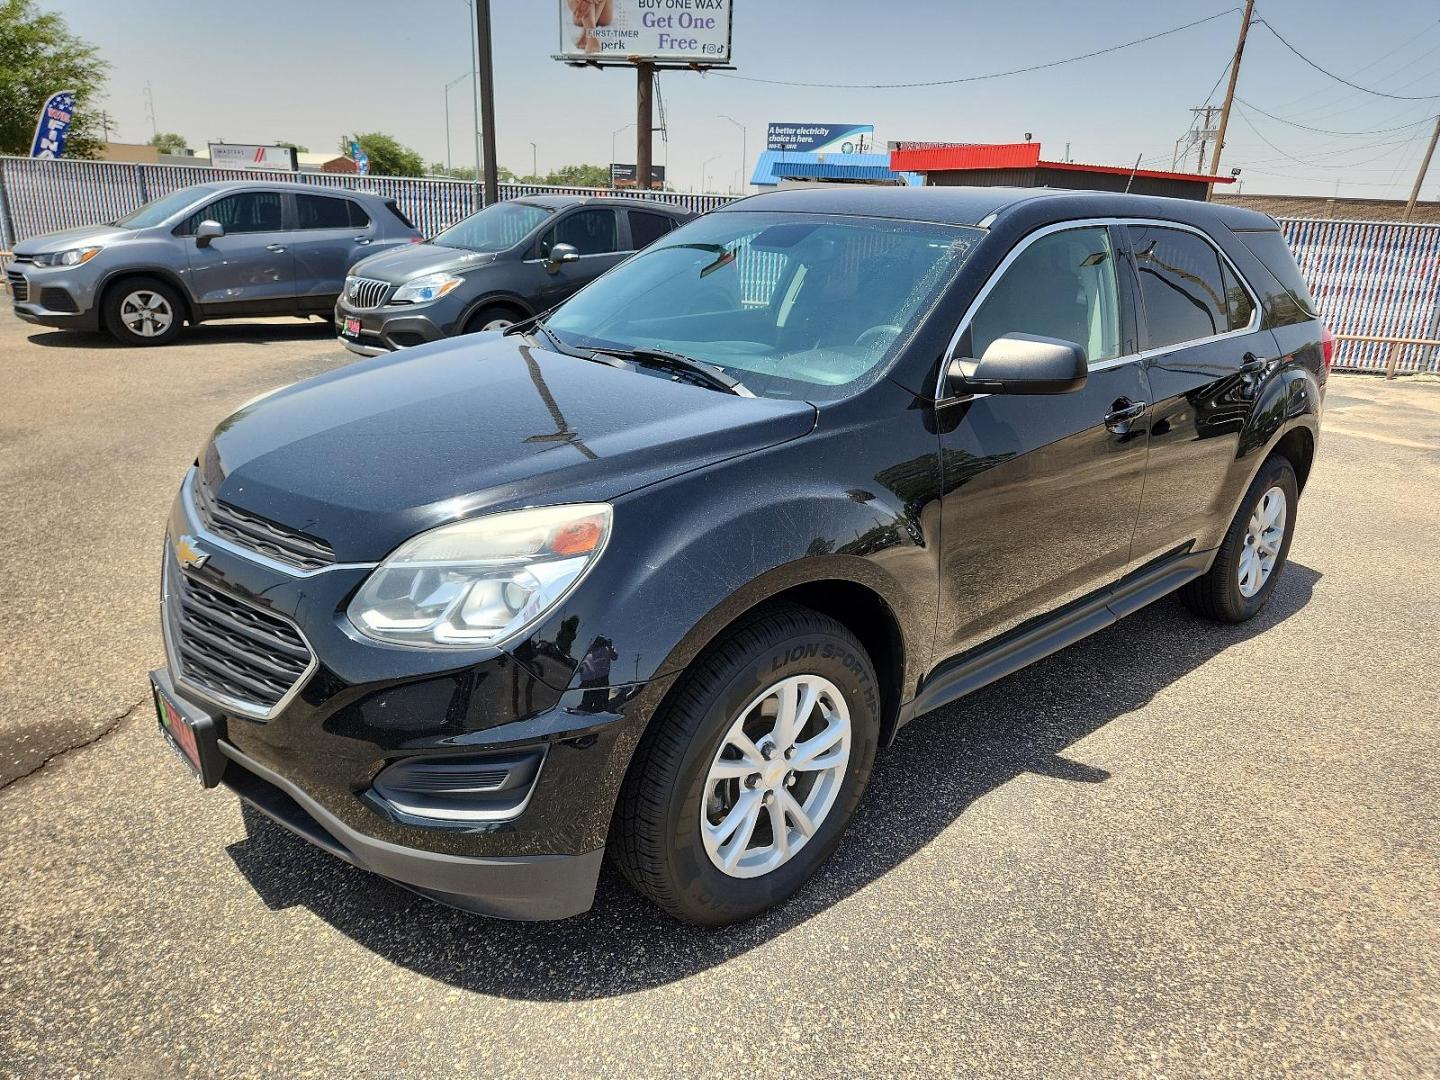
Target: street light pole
(534,168)
(448,163)
(704,175)
(613,134)
(744,153)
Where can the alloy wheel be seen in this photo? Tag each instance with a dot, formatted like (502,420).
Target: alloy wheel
(1263,536)
(497,324)
(146,313)
(775,776)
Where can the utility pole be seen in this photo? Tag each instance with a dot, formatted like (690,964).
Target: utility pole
(644,123)
(1203,133)
(1424,168)
(1230,94)
(150,108)
(486,80)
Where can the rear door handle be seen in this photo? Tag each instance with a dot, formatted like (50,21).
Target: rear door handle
(277,248)
(361,239)
(1118,418)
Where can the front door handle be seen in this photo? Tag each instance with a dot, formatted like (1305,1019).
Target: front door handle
(1122,412)
(277,248)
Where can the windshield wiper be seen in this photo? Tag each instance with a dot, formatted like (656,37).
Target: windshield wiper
(708,374)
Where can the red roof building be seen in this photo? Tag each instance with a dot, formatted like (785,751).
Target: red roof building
(1020,165)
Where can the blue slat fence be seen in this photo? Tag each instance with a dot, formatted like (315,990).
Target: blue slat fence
(1376,283)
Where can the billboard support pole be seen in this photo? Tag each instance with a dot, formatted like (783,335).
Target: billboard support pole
(486,78)
(644,123)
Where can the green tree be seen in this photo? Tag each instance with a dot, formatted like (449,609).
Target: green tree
(579,176)
(294,146)
(387,156)
(38,56)
(167,142)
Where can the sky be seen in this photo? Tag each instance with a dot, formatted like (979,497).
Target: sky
(309,71)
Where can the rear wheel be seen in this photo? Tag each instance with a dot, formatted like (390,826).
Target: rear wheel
(743,786)
(1254,550)
(143,311)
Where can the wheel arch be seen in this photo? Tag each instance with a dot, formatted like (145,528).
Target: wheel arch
(494,299)
(117,278)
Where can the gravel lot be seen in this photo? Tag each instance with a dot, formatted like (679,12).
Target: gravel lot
(1172,850)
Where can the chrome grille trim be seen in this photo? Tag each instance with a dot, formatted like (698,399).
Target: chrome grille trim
(363,294)
(258,534)
(249,661)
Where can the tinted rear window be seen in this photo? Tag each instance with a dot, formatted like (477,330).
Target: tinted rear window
(1270,248)
(1181,284)
(645,228)
(390,205)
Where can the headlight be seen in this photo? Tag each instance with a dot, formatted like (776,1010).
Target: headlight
(480,581)
(72,257)
(424,289)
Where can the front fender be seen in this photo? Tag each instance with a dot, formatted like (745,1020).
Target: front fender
(692,554)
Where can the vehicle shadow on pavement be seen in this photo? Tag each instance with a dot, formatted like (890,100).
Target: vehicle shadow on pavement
(939,766)
(217,333)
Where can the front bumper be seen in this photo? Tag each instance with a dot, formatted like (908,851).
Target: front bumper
(386,329)
(363,707)
(55,297)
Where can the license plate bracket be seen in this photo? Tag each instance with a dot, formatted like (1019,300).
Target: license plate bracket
(191,733)
(351,326)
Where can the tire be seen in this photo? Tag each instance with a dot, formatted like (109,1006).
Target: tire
(1221,593)
(491,317)
(143,311)
(657,835)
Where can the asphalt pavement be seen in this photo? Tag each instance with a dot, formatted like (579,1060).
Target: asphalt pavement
(1173,850)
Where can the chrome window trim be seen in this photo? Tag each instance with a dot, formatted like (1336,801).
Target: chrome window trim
(1091,223)
(231,705)
(197,529)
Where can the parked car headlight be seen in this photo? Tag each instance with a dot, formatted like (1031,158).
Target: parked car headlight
(69,257)
(480,581)
(424,289)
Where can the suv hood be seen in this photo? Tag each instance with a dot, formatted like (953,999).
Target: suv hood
(370,455)
(400,264)
(68,238)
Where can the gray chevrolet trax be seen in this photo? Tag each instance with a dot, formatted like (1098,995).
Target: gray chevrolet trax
(502,264)
(659,574)
(211,251)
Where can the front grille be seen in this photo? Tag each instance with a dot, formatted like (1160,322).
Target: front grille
(267,538)
(363,292)
(19,287)
(229,648)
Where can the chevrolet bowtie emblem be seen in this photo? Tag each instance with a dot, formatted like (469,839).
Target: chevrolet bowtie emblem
(188,554)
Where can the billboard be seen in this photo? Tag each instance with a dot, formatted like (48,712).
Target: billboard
(243,156)
(617,31)
(623,176)
(821,138)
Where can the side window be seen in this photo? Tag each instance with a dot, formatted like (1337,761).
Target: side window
(1062,286)
(592,232)
(1237,300)
(243,212)
(358,218)
(1181,284)
(645,228)
(322,212)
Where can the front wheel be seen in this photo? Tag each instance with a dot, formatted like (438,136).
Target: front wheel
(1248,564)
(143,311)
(494,317)
(743,785)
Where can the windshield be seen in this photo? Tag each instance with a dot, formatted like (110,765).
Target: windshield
(496,228)
(793,305)
(157,211)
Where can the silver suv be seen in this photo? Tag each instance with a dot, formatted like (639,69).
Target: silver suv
(211,251)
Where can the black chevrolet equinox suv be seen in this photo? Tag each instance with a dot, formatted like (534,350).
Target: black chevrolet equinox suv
(660,572)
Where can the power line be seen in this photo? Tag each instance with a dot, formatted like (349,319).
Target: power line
(1319,165)
(1341,79)
(1331,131)
(978,78)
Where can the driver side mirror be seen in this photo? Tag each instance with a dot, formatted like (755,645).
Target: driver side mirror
(561,253)
(1021,364)
(206,231)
